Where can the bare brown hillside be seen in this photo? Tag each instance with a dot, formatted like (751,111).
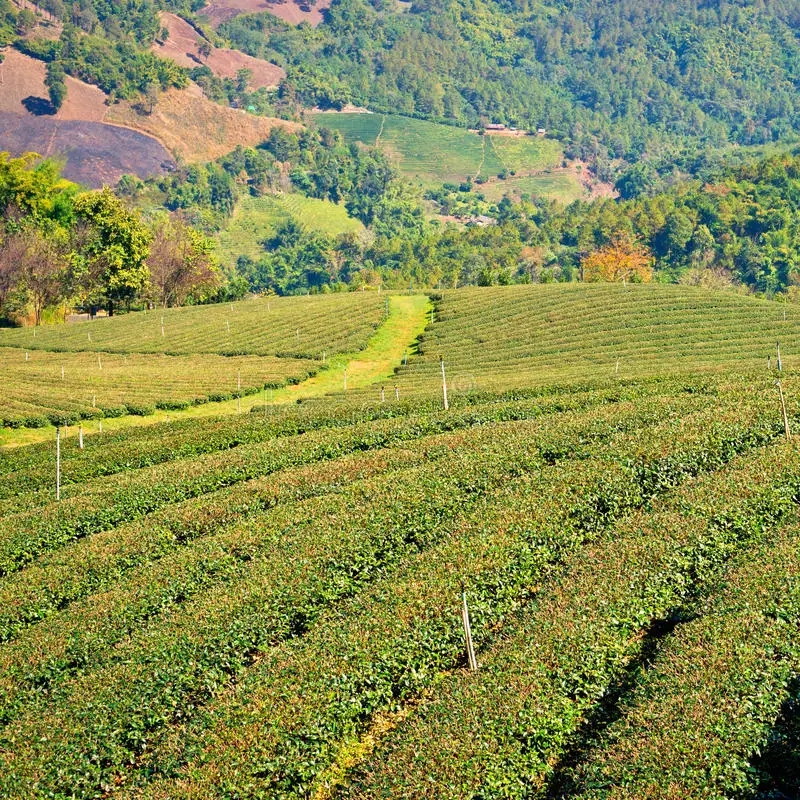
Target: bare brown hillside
(182,46)
(193,128)
(294,13)
(94,154)
(22,91)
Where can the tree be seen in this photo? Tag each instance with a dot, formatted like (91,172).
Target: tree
(243,78)
(151,95)
(12,254)
(56,85)
(623,259)
(41,270)
(115,249)
(181,261)
(204,49)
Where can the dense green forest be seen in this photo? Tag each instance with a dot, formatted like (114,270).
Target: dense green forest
(614,80)
(738,226)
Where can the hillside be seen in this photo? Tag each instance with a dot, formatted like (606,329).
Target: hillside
(626,546)
(291,11)
(193,128)
(615,82)
(95,153)
(256,219)
(182,46)
(435,154)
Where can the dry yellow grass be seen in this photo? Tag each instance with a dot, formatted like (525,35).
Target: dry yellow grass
(193,128)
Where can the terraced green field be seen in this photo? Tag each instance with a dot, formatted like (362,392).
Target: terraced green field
(269,605)
(434,154)
(258,218)
(505,337)
(175,358)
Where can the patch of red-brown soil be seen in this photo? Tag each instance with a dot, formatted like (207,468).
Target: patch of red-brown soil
(182,46)
(294,13)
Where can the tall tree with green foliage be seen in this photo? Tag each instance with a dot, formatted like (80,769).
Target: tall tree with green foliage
(55,81)
(116,248)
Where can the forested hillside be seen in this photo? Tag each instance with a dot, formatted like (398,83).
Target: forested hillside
(616,80)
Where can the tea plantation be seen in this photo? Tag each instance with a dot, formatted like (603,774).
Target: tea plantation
(269,604)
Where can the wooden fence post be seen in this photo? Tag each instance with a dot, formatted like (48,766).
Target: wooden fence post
(345,378)
(396,393)
(780,363)
(80,436)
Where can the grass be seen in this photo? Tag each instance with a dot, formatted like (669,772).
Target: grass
(257,218)
(434,154)
(561,186)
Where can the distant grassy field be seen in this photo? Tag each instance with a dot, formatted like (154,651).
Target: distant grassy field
(561,186)
(434,154)
(257,218)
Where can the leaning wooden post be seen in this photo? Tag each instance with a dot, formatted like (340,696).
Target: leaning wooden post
(617,368)
(780,363)
(80,436)
(383,395)
(162,326)
(444,384)
(62,372)
(345,378)
(396,393)
(783,410)
(239,381)
(473,663)
(58,462)
(101,426)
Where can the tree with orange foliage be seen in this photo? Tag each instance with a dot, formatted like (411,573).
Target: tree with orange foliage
(620,260)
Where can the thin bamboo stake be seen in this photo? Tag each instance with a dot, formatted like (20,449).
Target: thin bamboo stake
(780,363)
(58,463)
(444,384)
(783,411)
(473,663)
